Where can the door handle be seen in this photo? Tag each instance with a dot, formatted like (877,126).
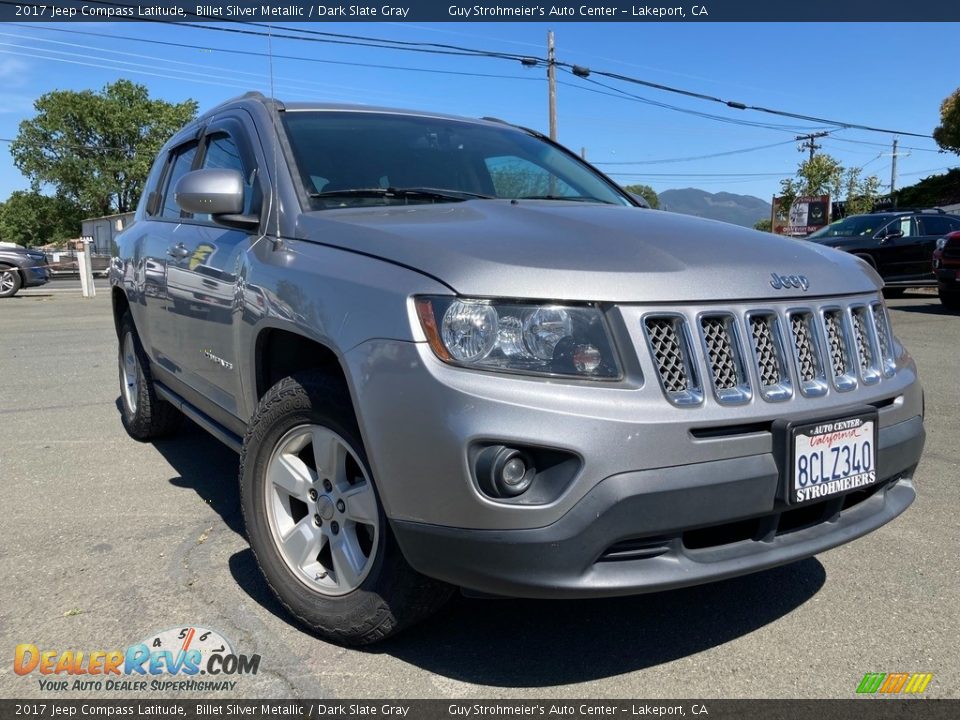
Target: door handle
(178,251)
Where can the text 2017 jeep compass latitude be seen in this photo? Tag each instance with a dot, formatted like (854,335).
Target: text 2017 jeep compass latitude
(451,353)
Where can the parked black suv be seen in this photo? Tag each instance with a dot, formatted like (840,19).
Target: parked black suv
(899,244)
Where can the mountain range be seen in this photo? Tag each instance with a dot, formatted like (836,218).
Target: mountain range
(729,207)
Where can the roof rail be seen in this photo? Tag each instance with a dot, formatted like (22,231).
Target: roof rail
(907,210)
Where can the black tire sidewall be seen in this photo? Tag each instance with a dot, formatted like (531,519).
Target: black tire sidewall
(131,418)
(290,404)
(17,281)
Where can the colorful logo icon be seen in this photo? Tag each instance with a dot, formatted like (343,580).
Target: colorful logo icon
(894,683)
(187,652)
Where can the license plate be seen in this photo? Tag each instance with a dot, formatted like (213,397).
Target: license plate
(833,457)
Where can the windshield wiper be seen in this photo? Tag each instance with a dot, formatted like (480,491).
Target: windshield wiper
(572,198)
(391,192)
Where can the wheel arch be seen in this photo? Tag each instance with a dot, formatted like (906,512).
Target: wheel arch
(280,352)
(121,306)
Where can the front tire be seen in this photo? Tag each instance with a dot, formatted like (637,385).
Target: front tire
(144,415)
(950,299)
(315,522)
(10,281)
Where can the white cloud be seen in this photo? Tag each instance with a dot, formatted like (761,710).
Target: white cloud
(13,72)
(12,103)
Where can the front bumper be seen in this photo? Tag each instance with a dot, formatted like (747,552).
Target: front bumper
(661,529)
(663,495)
(35,275)
(948,277)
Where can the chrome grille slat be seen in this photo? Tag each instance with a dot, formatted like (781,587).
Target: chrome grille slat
(769,368)
(667,342)
(864,351)
(720,353)
(805,346)
(833,321)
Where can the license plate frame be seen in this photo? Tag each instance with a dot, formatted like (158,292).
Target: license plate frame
(847,429)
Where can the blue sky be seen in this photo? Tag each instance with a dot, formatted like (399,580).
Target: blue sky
(887,75)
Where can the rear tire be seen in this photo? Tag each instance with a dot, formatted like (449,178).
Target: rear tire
(10,281)
(315,522)
(145,416)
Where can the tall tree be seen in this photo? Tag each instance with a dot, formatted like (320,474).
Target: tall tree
(96,148)
(29,218)
(646,192)
(947,133)
(825,175)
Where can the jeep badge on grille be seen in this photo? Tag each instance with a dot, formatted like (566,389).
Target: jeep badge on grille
(778,282)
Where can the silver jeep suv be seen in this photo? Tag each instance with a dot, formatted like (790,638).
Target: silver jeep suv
(452,354)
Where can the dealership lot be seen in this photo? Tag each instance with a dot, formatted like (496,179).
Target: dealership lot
(105,542)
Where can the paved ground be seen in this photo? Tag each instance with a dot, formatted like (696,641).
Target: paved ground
(104,541)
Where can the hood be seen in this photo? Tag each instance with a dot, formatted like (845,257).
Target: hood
(581,252)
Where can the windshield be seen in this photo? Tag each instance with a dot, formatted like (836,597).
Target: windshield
(851,227)
(388,158)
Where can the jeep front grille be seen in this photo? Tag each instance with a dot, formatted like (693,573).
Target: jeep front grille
(769,351)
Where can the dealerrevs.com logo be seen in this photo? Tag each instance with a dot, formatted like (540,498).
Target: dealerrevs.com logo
(178,659)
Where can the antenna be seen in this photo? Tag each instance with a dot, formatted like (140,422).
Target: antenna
(277,242)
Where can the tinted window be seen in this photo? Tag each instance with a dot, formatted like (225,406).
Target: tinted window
(342,151)
(938,225)
(851,227)
(182,163)
(222,153)
(904,225)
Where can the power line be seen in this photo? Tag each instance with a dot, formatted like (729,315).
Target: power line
(695,157)
(305,34)
(585,72)
(299,58)
(624,95)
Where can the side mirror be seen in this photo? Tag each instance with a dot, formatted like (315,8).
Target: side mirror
(639,200)
(214,191)
(893,234)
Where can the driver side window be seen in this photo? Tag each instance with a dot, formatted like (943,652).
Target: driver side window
(903,225)
(222,153)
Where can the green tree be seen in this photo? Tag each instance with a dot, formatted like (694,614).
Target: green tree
(646,192)
(825,175)
(763,224)
(96,149)
(947,133)
(31,219)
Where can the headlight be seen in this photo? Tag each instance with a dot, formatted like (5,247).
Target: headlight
(941,243)
(537,339)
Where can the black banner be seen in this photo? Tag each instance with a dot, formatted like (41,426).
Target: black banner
(280,11)
(855,709)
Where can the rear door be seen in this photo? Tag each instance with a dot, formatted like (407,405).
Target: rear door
(897,256)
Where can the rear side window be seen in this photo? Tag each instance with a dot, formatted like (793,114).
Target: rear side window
(180,165)
(937,225)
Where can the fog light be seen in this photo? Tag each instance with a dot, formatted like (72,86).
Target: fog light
(503,471)
(513,471)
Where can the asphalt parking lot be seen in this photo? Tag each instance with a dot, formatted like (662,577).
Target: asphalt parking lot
(105,541)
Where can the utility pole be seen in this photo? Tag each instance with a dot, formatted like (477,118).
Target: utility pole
(552,84)
(810,144)
(893,171)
